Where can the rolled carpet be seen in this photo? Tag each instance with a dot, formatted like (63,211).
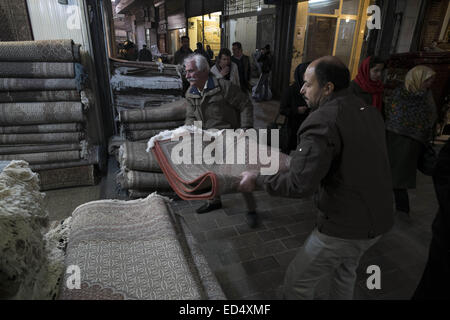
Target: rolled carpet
(67,177)
(136,135)
(25,148)
(211,166)
(43,128)
(39,96)
(135,250)
(132,156)
(131,179)
(44,157)
(172,111)
(136,194)
(40,50)
(28,84)
(44,138)
(163,125)
(25,113)
(62,165)
(37,70)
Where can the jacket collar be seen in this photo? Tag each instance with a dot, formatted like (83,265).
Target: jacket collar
(211,88)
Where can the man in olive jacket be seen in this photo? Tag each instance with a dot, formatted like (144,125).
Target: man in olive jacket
(342,158)
(219,104)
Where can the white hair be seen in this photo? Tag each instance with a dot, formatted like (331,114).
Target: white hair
(200,61)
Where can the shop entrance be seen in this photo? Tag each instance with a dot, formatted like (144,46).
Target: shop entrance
(329,27)
(205,29)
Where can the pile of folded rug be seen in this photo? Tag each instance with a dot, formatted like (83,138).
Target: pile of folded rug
(43,100)
(32,259)
(136,249)
(148,100)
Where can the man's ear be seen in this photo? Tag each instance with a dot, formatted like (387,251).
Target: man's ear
(328,88)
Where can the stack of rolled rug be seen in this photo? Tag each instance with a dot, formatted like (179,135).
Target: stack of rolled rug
(148,100)
(43,100)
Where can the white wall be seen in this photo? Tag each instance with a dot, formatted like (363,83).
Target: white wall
(408,25)
(245,33)
(51,20)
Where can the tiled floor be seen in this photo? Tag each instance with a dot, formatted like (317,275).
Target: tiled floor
(250,263)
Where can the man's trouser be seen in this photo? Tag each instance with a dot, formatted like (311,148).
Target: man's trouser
(325,256)
(248,198)
(263,81)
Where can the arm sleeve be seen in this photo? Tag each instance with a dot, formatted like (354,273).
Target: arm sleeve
(190,115)
(240,101)
(310,163)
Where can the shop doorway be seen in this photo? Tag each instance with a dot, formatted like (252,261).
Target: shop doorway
(205,29)
(329,27)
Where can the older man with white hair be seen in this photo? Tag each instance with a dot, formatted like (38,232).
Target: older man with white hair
(219,104)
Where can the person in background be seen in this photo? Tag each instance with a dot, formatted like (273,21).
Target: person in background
(129,51)
(183,52)
(294,107)
(368,83)
(145,54)
(410,114)
(179,57)
(226,69)
(243,63)
(202,51)
(266,68)
(436,276)
(209,52)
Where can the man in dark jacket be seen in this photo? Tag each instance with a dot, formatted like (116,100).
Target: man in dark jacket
(183,52)
(266,67)
(436,276)
(145,54)
(342,156)
(244,68)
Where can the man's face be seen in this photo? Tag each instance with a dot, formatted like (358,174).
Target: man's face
(194,76)
(185,43)
(236,51)
(311,90)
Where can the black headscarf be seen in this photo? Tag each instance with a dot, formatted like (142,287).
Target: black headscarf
(299,72)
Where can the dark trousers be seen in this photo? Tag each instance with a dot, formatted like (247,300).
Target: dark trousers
(436,276)
(401,200)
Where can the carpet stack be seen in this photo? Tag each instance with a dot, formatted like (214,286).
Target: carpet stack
(43,100)
(148,100)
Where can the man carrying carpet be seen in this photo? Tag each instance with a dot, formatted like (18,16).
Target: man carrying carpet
(219,104)
(342,156)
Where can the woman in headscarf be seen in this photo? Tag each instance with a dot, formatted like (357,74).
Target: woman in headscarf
(225,68)
(410,117)
(293,106)
(368,85)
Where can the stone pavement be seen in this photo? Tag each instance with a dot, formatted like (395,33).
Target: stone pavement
(251,263)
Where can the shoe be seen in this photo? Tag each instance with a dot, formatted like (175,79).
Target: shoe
(252,219)
(207,207)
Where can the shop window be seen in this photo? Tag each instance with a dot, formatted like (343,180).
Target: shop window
(207,26)
(324,6)
(334,27)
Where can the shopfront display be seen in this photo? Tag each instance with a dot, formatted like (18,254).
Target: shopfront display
(332,27)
